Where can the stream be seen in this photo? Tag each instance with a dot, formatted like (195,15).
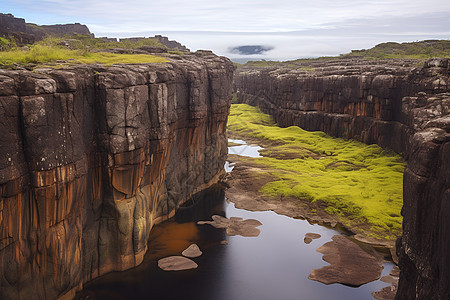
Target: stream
(274,265)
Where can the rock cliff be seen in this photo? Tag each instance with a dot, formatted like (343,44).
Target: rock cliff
(91,157)
(396,104)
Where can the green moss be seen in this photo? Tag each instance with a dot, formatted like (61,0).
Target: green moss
(359,183)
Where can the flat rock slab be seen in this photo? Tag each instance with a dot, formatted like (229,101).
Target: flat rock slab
(309,237)
(176,263)
(192,251)
(349,264)
(235,226)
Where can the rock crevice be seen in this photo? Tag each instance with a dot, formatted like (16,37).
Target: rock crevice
(396,105)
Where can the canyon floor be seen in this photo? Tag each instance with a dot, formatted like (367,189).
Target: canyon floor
(327,195)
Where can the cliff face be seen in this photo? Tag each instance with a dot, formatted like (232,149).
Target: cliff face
(393,104)
(92,157)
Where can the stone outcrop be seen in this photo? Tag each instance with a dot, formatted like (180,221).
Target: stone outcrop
(398,105)
(172,45)
(26,33)
(91,157)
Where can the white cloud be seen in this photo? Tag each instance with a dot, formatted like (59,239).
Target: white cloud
(231,15)
(296,28)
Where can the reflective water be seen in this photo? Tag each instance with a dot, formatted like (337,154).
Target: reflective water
(274,265)
(244,149)
(228,166)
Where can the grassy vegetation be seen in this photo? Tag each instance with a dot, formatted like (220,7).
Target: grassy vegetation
(88,42)
(415,50)
(80,50)
(359,183)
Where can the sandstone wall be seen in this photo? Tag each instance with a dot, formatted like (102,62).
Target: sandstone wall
(393,104)
(91,157)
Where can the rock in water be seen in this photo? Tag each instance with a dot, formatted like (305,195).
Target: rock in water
(176,263)
(192,251)
(235,226)
(387,293)
(350,264)
(311,236)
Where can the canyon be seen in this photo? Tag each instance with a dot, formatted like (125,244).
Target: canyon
(401,105)
(93,156)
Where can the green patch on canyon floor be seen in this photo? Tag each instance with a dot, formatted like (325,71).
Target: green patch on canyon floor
(360,184)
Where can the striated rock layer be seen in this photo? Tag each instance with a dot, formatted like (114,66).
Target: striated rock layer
(91,157)
(397,105)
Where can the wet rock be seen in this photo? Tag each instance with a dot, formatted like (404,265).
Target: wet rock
(387,293)
(176,263)
(395,271)
(235,226)
(192,251)
(309,237)
(389,279)
(349,264)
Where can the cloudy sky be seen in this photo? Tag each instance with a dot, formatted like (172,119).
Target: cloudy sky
(294,28)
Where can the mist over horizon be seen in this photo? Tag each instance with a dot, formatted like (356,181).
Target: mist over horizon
(336,38)
(285,45)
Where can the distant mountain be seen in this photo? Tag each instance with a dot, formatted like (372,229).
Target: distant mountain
(250,49)
(28,33)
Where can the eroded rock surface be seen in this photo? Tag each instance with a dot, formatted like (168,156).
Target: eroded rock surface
(398,104)
(91,157)
(349,264)
(235,225)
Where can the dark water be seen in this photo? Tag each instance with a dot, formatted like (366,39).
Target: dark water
(273,266)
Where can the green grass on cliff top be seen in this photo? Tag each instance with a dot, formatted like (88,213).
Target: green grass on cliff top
(361,184)
(48,51)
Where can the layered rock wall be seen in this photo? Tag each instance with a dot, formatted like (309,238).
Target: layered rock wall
(91,157)
(392,103)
